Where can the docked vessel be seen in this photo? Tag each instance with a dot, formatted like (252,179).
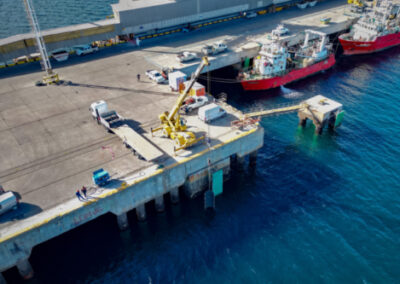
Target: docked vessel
(276,65)
(374,31)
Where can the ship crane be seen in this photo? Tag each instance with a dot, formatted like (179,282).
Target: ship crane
(51,76)
(172,125)
(321,34)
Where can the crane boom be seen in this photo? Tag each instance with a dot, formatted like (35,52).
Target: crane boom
(182,97)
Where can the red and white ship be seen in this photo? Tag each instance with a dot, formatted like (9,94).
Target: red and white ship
(276,65)
(374,31)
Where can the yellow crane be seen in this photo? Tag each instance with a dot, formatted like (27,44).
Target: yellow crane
(172,125)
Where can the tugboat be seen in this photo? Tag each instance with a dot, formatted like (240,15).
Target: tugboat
(276,65)
(375,31)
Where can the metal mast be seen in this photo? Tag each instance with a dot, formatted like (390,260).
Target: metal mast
(45,62)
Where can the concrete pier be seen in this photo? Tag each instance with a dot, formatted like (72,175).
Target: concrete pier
(159,202)
(122,220)
(25,269)
(141,212)
(321,111)
(2,279)
(253,159)
(174,193)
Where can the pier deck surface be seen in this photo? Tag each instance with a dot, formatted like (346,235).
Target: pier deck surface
(50,146)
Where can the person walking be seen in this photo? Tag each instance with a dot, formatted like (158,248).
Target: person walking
(84,191)
(138,77)
(78,194)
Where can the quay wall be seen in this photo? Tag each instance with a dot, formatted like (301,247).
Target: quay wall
(17,241)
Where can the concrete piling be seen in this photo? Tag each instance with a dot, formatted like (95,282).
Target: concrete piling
(141,212)
(25,269)
(122,220)
(174,195)
(160,203)
(2,279)
(253,159)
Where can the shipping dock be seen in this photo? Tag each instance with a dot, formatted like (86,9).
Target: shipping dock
(51,145)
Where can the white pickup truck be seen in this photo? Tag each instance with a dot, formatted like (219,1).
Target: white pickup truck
(194,102)
(214,49)
(108,118)
(156,76)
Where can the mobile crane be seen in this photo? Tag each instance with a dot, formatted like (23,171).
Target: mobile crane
(172,125)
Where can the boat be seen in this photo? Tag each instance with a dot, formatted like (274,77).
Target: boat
(60,54)
(374,31)
(276,65)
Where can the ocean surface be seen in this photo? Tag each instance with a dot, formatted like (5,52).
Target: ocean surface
(316,209)
(51,14)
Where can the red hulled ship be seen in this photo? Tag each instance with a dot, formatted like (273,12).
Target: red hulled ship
(276,65)
(374,31)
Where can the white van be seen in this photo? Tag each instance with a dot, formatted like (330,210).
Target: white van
(8,201)
(210,112)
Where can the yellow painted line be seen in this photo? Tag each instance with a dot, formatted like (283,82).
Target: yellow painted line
(142,37)
(219,21)
(167,33)
(124,186)
(215,22)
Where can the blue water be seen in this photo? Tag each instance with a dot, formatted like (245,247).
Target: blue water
(51,14)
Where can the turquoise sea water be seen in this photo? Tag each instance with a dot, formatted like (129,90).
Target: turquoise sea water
(315,210)
(51,14)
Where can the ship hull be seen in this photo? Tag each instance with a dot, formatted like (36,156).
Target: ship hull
(352,47)
(294,75)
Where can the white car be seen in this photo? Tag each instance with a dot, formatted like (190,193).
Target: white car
(186,56)
(280,31)
(216,48)
(85,49)
(156,76)
(250,15)
(195,102)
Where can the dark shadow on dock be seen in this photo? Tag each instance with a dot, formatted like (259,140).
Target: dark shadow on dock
(76,84)
(23,211)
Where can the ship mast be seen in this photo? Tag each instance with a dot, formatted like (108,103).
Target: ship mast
(50,76)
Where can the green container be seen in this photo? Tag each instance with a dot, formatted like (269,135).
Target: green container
(217,182)
(339,118)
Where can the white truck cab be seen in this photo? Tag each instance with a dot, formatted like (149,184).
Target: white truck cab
(100,106)
(210,112)
(8,201)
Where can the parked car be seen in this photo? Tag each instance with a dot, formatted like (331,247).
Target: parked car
(214,49)
(210,112)
(186,56)
(250,15)
(280,31)
(194,103)
(156,76)
(85,49)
